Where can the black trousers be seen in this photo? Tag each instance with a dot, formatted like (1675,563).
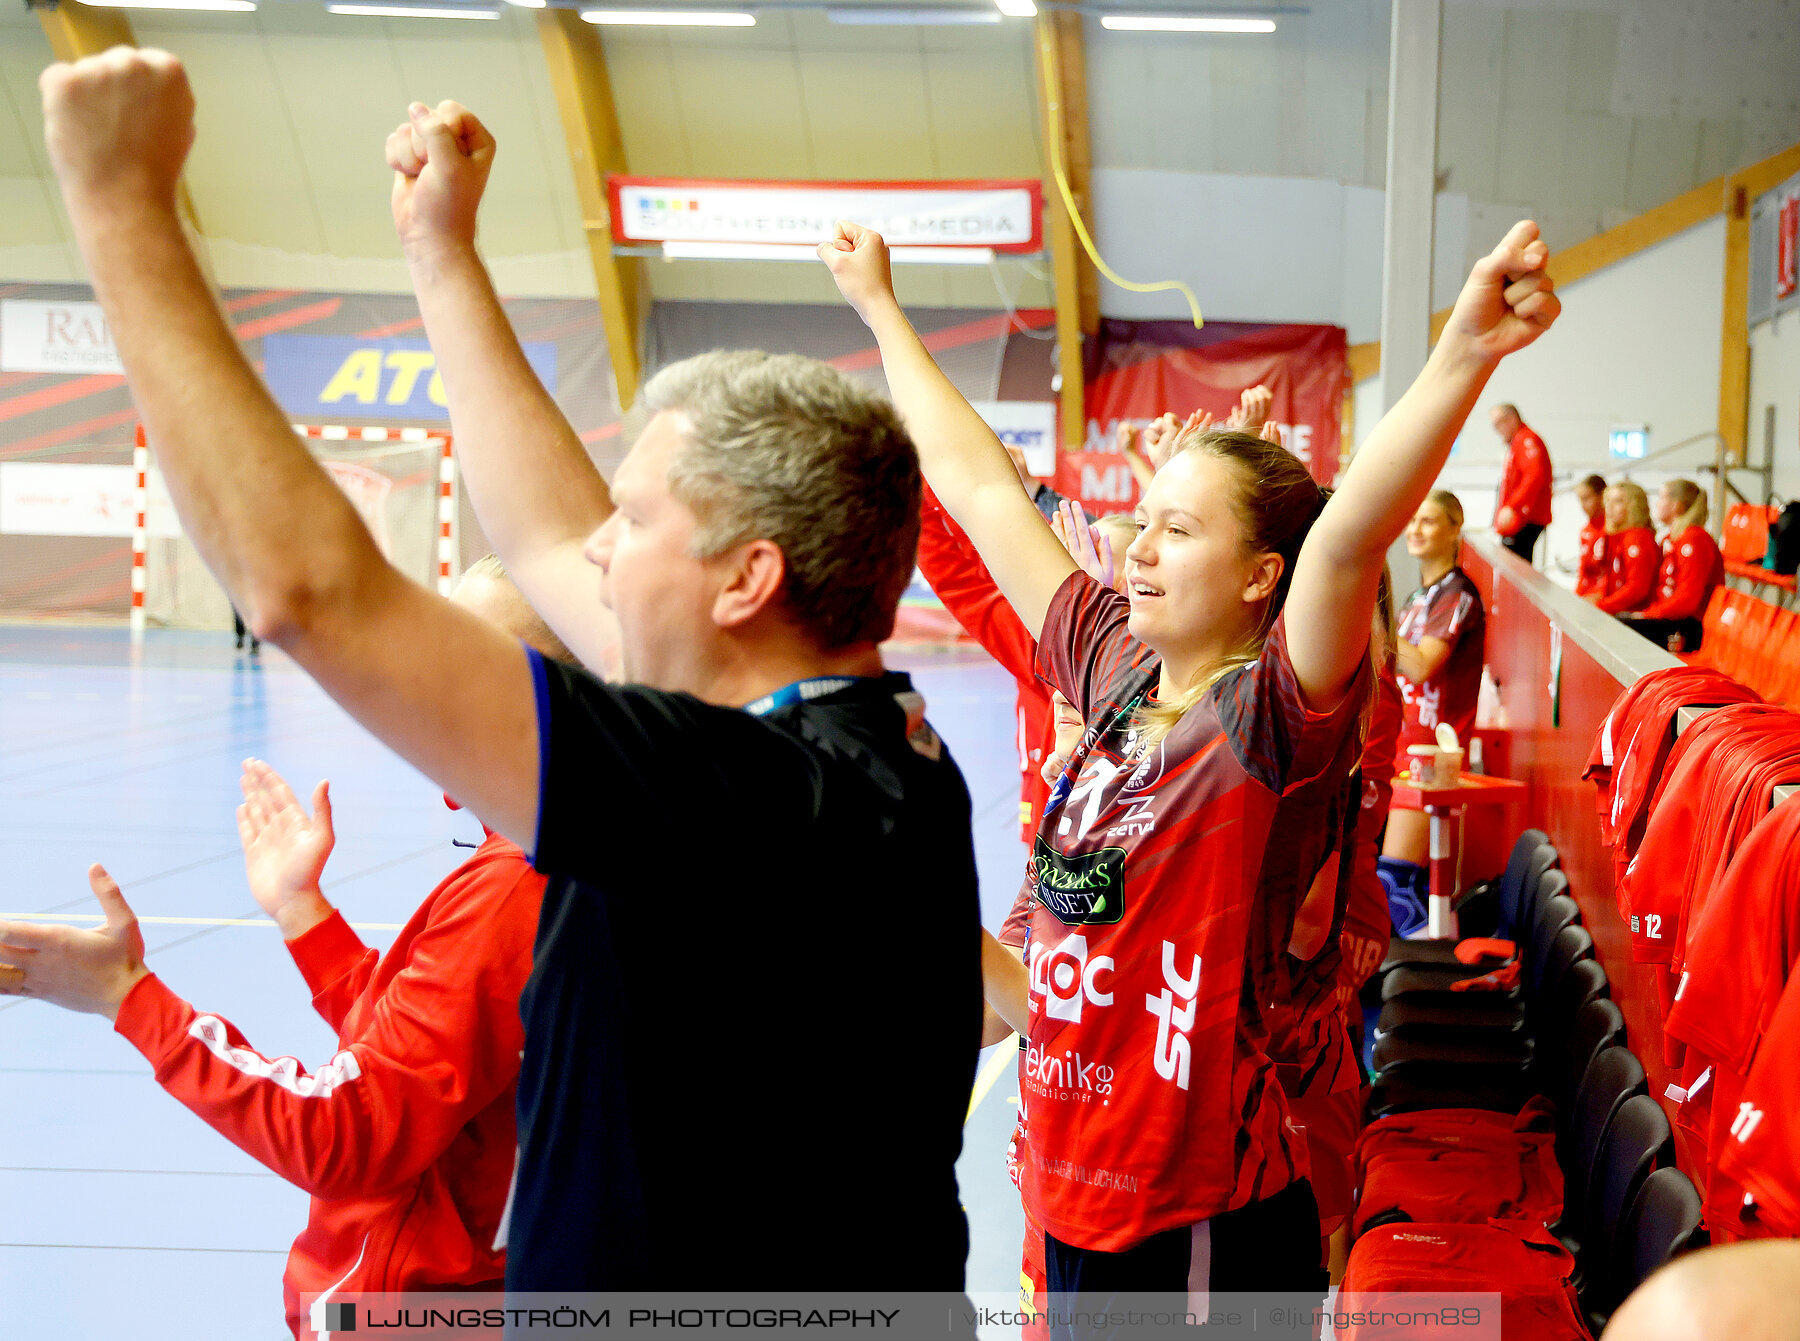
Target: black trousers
(1659,630)
(1269,1246)
(1523,541)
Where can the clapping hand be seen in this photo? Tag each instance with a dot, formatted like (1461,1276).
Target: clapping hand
(285,849)
(1091,550)
(74,967)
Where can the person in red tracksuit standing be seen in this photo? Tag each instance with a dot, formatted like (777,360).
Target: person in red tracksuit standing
(1632,556)
(405,1137)
(1691,568)
(1524,508)
(1590,577)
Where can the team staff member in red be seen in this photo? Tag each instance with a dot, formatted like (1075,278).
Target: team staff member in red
(405,1138)
(1524,507)
(1590,577)
(1160,1154)
(1632,554)
(1438,656)
(1691,567)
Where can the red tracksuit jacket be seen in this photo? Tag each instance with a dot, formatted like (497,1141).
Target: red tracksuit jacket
(1691,568)
(1590,580)
(405,1138)
(962,582)
(1525,481)
(1632,561)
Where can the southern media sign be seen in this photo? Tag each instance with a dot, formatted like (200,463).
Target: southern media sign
(323,378)
(55,337)
(1002,215)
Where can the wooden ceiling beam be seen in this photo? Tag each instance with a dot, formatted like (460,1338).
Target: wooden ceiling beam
(577,61)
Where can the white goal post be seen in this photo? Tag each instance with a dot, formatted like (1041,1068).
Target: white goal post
(402,482)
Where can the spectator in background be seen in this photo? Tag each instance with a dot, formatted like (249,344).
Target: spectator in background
(1691,568)
(1438,657)
(1631,552)
(1524,508)
(1045,499)
(1590,578)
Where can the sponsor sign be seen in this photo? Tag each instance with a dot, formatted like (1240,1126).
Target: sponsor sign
(1029,425)
(49,498)
(1003,215)
(58,337)
(330,378)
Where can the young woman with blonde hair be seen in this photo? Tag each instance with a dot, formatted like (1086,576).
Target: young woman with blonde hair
(1631,551)
(1161,1155)
(1691,568)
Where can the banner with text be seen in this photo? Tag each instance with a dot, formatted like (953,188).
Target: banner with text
(325,378)
(1002,215)
(38,337)
(1141,376)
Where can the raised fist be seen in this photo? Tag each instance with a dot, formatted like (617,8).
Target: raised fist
(1509,299)
(118,126)
(441,158)
(858,260)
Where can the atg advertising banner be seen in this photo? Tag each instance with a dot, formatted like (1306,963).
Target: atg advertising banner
(325,378)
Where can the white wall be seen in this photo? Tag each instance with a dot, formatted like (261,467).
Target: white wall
(1258,248)
(1775,380)
(1638,342)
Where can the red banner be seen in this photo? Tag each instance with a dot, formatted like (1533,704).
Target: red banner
(1785,268)
(1306,369)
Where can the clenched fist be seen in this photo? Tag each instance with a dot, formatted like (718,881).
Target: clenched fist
(858,260)
(118,126)
(441,158)
(1509,299)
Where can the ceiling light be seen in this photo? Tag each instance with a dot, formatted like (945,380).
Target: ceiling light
(673,18)
(786,251)
(231,6)
(1016,9)
(411,12)
(922,18)
(1182,23)
(526,4)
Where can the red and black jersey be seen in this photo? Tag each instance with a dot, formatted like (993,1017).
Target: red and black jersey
(1368,926)
(1742,947)
(1449,610)
(1525,482)
(1459,1172)
(1590,578)
(1164,904)
(1718,782)
(1632,747)
(1691,567)
(1523,1262)
(1632,560)
(1761,1149)
(962,582)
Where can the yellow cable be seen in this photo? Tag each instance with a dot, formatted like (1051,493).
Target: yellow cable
(1068,197)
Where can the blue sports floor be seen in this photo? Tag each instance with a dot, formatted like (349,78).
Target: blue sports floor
(122,1214)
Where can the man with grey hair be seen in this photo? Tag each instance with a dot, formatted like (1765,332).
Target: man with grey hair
(696,1078)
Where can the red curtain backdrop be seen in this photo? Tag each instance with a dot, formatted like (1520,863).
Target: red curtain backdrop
(1142,369)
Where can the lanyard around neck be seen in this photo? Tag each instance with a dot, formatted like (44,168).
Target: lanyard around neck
(800,691)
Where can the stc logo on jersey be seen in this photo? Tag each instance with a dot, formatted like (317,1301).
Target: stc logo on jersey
(1066,978)
(1080,891)
(1174,1009)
